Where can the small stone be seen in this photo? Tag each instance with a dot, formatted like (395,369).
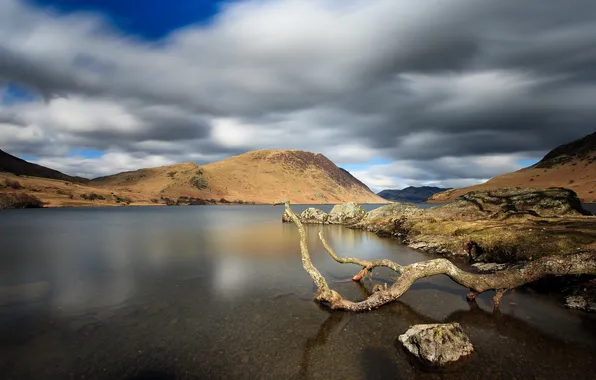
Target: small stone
(580,302)
(437,345)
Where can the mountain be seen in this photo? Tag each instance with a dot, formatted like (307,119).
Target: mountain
(15,165)
(410,194)
(572,166)
(263,176)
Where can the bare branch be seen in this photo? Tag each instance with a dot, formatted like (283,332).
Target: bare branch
(324,292)
(367,265)
(575,264)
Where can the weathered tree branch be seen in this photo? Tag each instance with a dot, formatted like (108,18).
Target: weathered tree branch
(366,265)
(573,264)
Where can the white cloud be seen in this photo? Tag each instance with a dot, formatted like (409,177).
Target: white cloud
(450,92)
(107,164)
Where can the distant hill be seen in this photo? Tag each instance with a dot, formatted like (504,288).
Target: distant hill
(571,165)
(15,165)
(263,176)
(410,194)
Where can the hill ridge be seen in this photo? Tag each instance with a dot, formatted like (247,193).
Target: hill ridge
(571,165)
(18,166)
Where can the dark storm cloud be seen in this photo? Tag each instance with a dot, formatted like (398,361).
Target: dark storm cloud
(414,82)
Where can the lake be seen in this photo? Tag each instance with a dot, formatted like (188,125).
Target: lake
(218,292)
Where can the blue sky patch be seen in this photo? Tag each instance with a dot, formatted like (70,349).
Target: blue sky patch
(85,153)
(14,93)
(528,162)
(374,161)
(149,19)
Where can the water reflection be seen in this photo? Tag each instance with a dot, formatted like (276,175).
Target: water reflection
(501,341)
(219,292)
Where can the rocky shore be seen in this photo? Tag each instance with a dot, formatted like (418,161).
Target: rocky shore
(505,226)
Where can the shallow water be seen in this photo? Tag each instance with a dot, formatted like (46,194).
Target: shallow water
(590,207)
(219,292)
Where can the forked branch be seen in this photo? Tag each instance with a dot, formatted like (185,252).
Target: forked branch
(573,264)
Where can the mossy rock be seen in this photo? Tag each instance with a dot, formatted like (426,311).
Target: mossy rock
(346,213)
(513,202)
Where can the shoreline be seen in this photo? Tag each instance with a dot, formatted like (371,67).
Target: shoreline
(495,230)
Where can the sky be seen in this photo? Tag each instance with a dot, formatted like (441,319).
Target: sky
(398,92)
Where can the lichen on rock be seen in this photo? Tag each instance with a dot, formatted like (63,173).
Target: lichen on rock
(513,202)
(346,213)
(309,216)
(437,345)
(313,216)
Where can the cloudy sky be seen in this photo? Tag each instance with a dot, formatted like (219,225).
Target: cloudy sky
(399,92)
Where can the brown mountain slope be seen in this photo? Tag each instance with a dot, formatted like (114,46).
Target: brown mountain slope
(15,165)
(263,176)
(59,193)
(572,166)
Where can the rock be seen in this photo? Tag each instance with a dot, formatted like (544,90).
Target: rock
(387,220)
(392,210)
(313,216)
(285,218)
(581,302)
(437,345)
(513,202)
(309,216)
(347,213)
(434,247)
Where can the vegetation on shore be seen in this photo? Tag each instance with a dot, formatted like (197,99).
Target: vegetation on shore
(575,263)
(19,200)
(502,226)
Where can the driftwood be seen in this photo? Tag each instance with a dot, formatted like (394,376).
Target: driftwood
(573,264)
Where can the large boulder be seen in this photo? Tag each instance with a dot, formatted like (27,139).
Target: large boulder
(346,213)
(309,216)
(313,216)
(392,210)
(388,220)
(512,202)
(437,345)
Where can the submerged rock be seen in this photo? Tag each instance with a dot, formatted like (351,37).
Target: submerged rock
(581,302)
(347,213)
(437,345)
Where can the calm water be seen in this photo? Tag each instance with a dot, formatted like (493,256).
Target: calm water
(218,292)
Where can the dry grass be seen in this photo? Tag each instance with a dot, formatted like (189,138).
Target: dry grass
(577,175)
(492,223)
(58,193)
(507,240)
(19,200)
(264,176)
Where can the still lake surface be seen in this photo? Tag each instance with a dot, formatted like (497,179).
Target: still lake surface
(218,292)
